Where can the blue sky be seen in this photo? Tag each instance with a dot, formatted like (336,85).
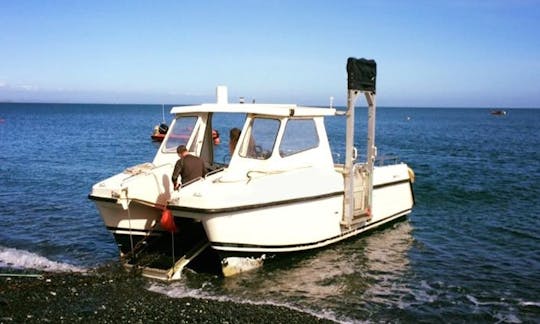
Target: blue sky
(456,53)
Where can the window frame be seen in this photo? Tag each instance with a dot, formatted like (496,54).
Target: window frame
(284,138)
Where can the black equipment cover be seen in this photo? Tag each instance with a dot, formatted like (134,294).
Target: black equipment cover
(362,74)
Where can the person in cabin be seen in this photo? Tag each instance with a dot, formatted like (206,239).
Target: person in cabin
(215,137)
(234,135)
(188,167)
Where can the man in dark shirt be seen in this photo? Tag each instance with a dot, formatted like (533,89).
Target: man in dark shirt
(189,167)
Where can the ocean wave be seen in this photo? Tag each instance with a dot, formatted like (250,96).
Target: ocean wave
(529,303)
(21,259)
(179,290)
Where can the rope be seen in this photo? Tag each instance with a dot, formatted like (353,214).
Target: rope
(172,242)
(130,228)
(25,275)
(140,168)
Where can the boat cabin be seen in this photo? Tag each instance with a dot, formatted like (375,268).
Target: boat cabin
(272,136)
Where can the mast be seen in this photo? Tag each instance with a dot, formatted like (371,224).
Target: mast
(163,113)
(348,207)
(371,153)
(361,79)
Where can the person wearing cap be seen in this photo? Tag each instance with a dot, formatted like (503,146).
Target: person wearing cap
(188,167)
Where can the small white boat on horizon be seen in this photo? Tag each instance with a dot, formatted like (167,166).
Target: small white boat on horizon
(498,112)
(281,192)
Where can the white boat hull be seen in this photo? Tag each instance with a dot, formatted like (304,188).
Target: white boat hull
(131,203)
(299,224)
(287,227)
(131,225)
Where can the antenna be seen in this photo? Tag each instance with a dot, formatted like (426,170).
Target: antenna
(163,112)
(222,96)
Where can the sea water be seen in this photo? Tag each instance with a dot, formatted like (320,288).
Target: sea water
(469,251)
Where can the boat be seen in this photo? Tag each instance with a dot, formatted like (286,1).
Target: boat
(280,193)
(158,134)
(498,112)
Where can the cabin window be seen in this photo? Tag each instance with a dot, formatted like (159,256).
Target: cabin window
(299,135)
(180,132)
(260,138)
(223,123)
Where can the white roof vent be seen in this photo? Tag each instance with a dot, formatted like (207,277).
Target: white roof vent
(222,96)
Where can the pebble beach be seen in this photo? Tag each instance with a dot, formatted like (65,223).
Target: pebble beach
(119,297)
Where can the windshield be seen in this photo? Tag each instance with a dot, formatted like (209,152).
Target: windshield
(180,132)
(260,139)
(300,135)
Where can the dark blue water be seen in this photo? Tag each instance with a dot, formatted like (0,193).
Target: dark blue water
(469,252)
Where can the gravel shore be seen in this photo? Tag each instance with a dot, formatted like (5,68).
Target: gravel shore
(102,297)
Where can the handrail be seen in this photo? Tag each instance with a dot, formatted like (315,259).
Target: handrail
(389,159)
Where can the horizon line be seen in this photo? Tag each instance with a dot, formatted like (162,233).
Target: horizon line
(194,104)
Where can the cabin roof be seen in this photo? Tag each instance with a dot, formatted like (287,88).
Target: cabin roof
(262,109)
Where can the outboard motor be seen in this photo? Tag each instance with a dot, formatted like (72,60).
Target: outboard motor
(163,128)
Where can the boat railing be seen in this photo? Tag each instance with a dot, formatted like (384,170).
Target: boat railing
(382,160)
(191,181)
(338,158)
(144,168)
(389,159)
(215,168)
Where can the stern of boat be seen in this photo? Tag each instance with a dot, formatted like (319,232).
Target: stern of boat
(130,203)
(393,194)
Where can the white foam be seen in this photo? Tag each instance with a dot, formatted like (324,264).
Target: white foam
(476,302)
(508,318)
(20,259)
(473,300)
(529,303)
(178,290)
(236,265)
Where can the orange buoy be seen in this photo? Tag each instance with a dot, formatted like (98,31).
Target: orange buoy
(167,221)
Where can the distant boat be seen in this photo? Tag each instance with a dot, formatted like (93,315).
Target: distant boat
(498,112)
(160,130)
